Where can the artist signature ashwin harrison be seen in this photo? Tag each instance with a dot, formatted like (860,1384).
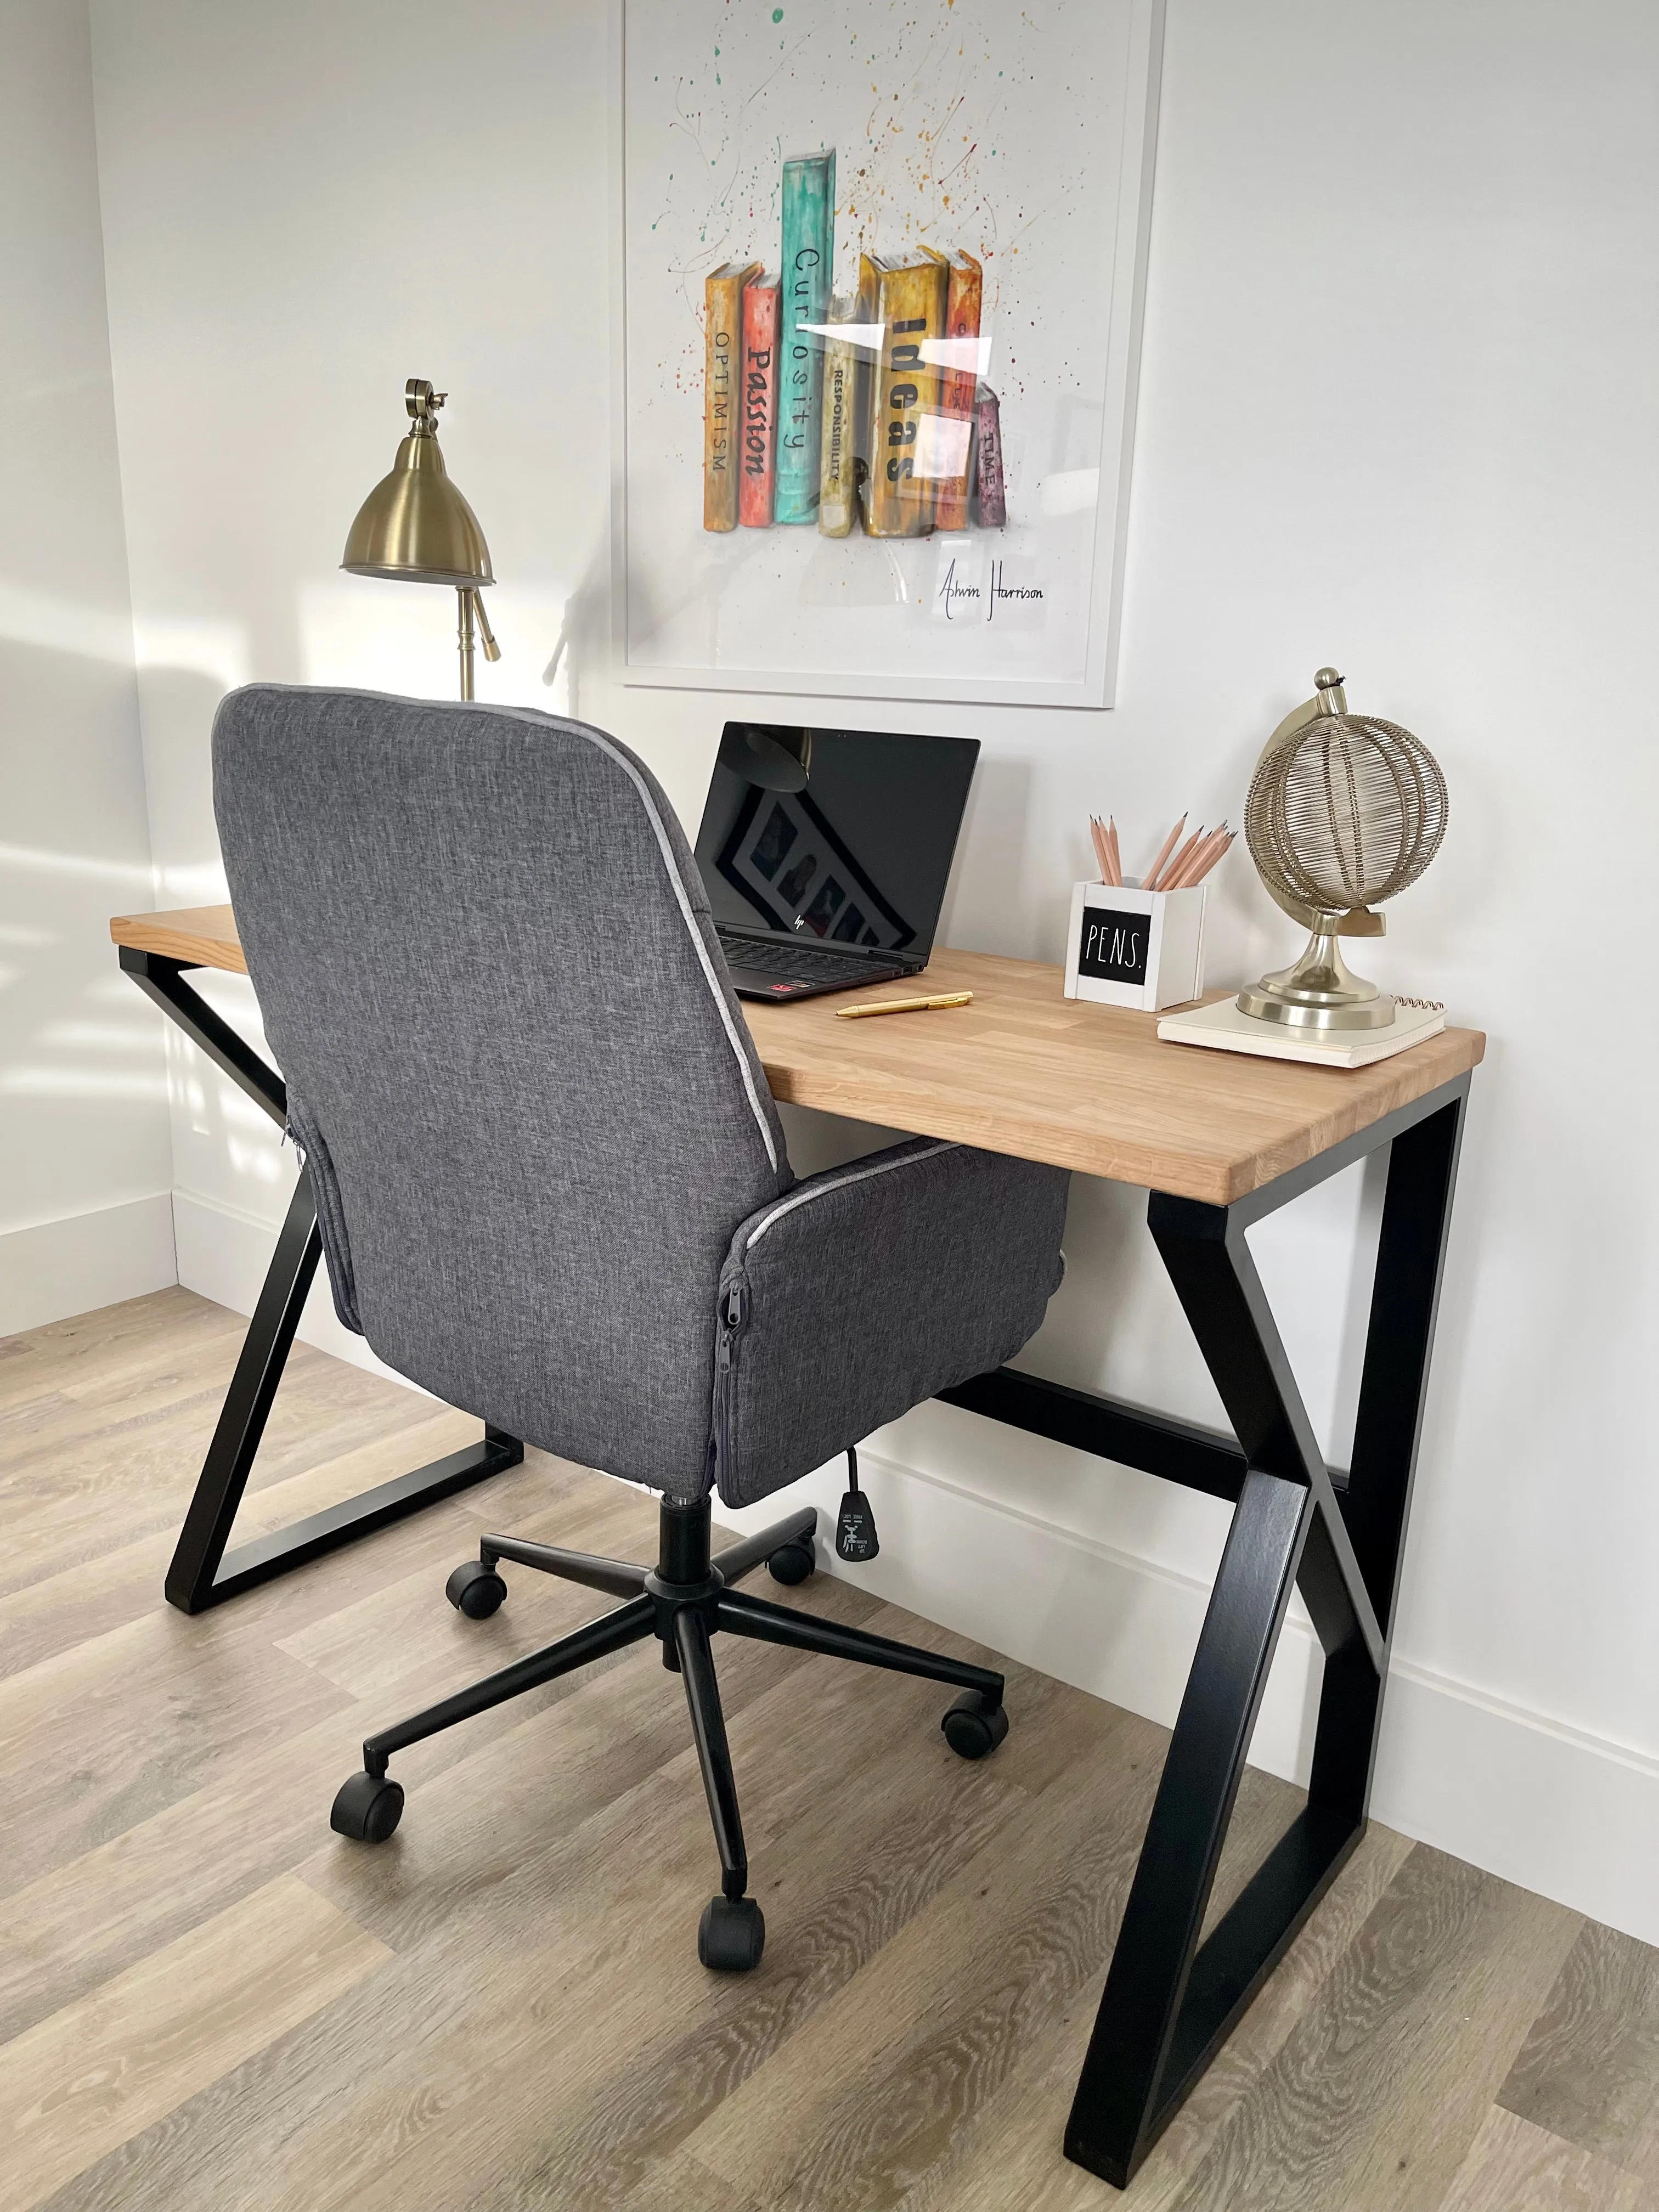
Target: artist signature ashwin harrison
(987,595)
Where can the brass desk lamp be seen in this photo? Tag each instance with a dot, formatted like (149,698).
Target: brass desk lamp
(416,526)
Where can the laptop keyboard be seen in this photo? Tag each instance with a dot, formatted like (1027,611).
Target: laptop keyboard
(803,961)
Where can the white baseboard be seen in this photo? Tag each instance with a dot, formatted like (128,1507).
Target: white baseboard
(1570,1815)
(223,1254)
(57,1268)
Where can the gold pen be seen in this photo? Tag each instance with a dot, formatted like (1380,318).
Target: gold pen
(904,1005)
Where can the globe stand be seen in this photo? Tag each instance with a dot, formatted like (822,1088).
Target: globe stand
(1343,811)
(1319,990)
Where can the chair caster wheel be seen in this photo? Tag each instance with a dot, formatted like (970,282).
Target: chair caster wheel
(367,1809)
(731,1935)
(476,1590)
(793,1563)
(973,1727)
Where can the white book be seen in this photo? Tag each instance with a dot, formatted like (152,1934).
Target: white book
(1224,1028)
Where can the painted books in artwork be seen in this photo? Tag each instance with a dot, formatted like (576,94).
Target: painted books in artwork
(838,497)
(809,216)
(990,506)
(910,297)
(959,365)
(722,295)
(758,468)
(837,413)
(864,399)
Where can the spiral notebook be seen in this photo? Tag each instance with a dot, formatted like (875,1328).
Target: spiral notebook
(1224,1029)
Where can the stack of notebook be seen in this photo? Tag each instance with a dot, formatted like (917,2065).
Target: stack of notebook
(1224,1029)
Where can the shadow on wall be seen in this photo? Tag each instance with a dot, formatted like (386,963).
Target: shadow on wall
(584,639)
(178,706)
(82,1081)
(988,888)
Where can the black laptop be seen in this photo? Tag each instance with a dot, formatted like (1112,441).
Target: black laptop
(826,853)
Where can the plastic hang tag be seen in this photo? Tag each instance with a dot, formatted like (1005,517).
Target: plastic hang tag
(856,1541)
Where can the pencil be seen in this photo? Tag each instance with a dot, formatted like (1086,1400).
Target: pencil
(1098,837)
(1200,861)
(1149,879)
(1219,854)
(1204,858)
(1166,880)
(1117,862)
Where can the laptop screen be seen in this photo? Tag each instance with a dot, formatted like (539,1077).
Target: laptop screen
(846,835)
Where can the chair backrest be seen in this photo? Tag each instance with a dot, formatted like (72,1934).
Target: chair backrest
(528,1101)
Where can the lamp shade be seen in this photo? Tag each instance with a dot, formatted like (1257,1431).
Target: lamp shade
(414,525)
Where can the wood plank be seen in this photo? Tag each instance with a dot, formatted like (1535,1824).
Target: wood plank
(205,936)
(1372,2101)
(107,1343)
(59,1509)
(263,1806)
(542,1766)
(1589,2068)
(1514,2166)
(960,2120)
(98,2072)
(561,1974)
(847,1855)
(1026,1071)
(364,1646)
(867,2096)
(1011,2154)
(81,1571)
(63,1603)
(99,1737)
(683,2184)
(315,1389)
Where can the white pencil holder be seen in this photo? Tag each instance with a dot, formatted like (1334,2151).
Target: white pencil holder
(1128,947)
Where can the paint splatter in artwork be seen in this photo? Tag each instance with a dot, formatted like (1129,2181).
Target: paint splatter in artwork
(917,165)
(921,102)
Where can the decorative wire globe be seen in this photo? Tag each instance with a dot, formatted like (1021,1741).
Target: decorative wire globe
(1346,812)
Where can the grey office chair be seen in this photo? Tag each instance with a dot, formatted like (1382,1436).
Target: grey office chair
(553,1186)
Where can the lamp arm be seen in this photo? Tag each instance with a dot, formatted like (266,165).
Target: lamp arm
(491,650)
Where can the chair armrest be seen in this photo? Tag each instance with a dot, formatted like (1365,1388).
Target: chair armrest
(869,1288)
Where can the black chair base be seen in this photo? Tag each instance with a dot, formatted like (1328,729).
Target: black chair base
(683,1600)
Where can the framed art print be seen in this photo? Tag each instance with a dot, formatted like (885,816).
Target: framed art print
(882,274)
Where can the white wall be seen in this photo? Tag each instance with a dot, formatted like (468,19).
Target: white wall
(1395,411)
(85,1157)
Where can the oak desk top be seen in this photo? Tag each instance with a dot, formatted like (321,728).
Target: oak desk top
(1025,1071)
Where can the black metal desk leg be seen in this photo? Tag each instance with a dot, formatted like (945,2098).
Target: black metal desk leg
(1411,1257)
(242,1419)
(200,1575)
(1129,2053)
(1169,2001)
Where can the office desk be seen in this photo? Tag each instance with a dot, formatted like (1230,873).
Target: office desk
(1217,1141)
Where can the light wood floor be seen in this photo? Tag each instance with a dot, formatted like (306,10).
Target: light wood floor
(209,2002)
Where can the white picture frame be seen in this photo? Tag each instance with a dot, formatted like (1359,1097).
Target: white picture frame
(736,616)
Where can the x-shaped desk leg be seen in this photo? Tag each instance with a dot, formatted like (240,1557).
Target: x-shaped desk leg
(1170,2001)
(200,1575)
